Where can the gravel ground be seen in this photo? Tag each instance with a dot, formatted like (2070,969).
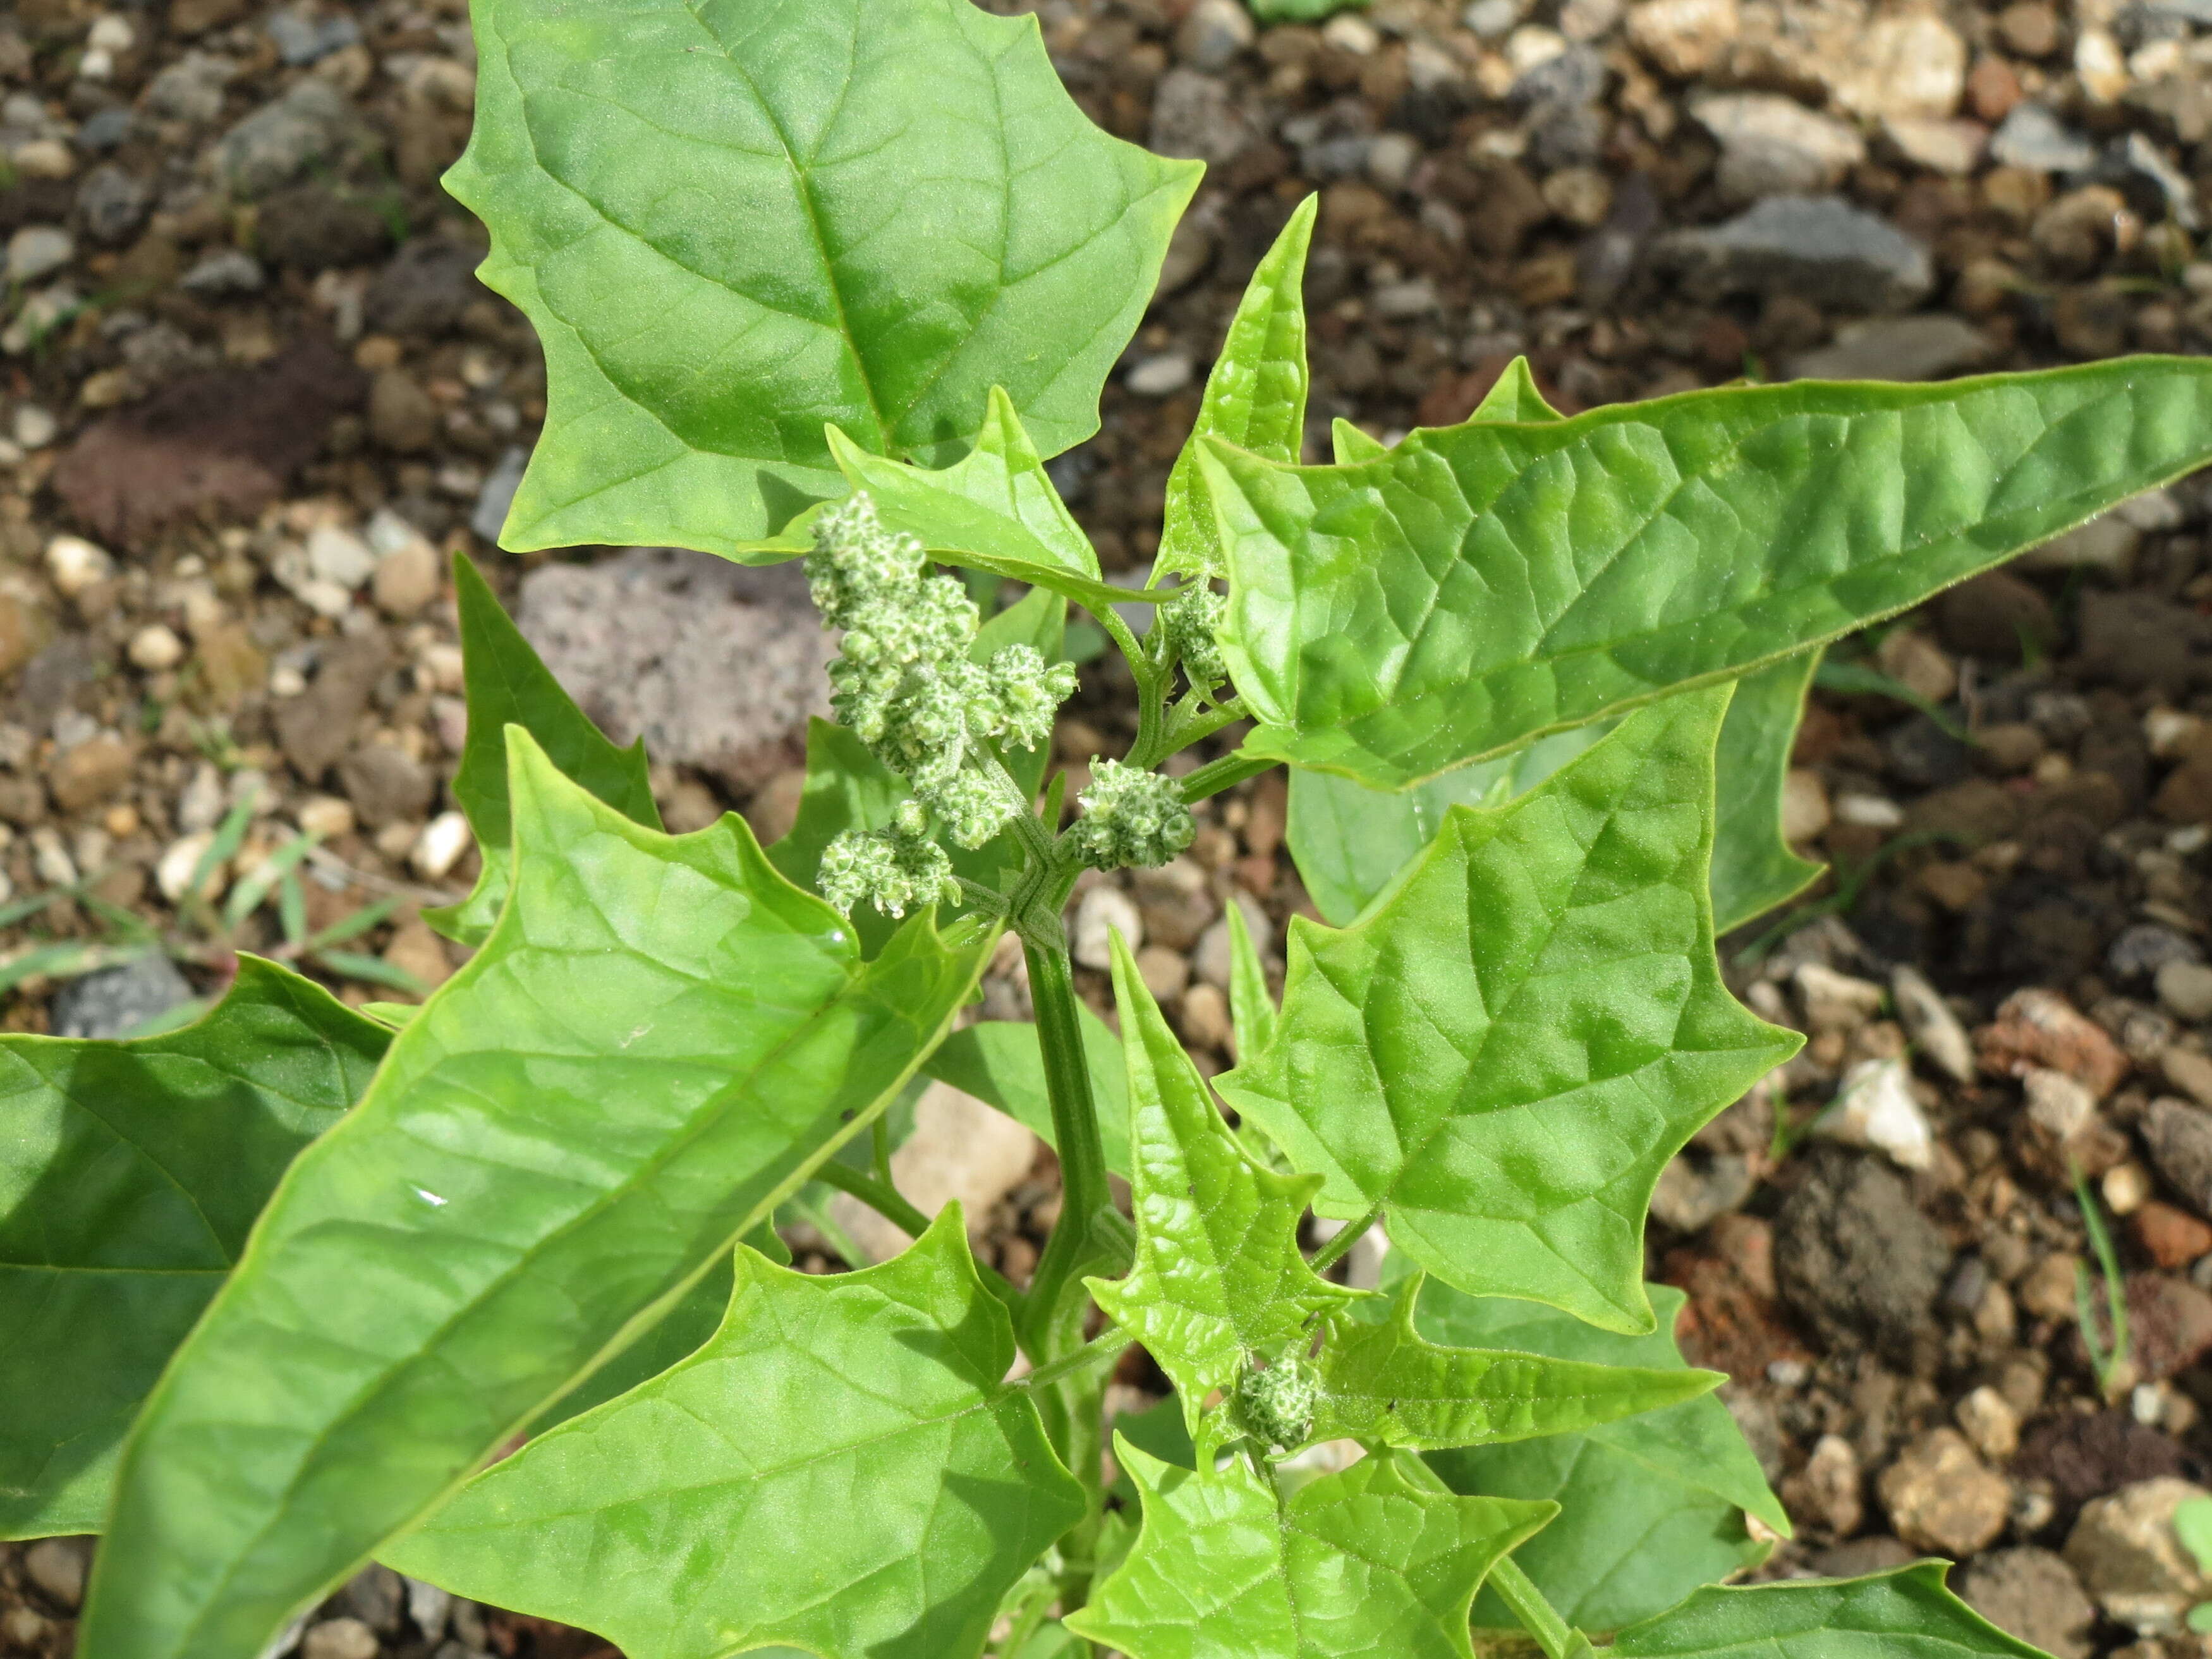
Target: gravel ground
(250,397)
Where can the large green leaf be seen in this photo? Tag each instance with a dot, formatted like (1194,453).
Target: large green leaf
(129,1174)
(1255,398)
(1381,1381)
(1377,1559)
(736,222)
(1904,1614)
(509,685)
(999,1062)
(1651,1507)
(1505,1052)
(1218,1283)
(1482,584)
(842,1469)
(660,1039)
(1350,842)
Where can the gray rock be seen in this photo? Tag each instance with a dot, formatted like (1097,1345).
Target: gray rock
(2184,989)
(488,515)
(2140,170)
(427,289)
(377,1596)
(38,251)
(2033,137)
(103,130)
(58,1566)
(2179,1137)
(223,273)
(190,90)
(1693,1192)
(2145,947)
(114,1001)
(111,203)
(2033,1595)
(1819,248)
(2124,1549)
(279,142)
(1923,348)
(1774,146)
(1196,117)
(1854,1257)
(302,36)
(386,786)
(1213,33)
(716,665)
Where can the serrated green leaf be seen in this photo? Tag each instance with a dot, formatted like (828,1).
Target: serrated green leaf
(1753,869)
(1381,1381)
(659,1041)
(1505,1052)
(129,1174)
(1652,1506)
(842,1469)
(1513,397)
(1376,1559)
(1904,1614)
(509,685)
(1349,444)
(999,1062)
(733,223)
(994,509)
(1219,1282)
(1482,584)
(1255,396)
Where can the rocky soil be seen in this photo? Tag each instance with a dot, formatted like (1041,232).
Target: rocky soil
(251,397)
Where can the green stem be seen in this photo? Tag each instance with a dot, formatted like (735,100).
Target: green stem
(1347,1236)
(1107,1346)
(880,1149)
(1225,772)
(1537,1615)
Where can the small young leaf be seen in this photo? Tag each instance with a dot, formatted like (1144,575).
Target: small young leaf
(1377,1559)
(1251,1009)
(509,685)
(996,502)
(1507,1050)
(1904,1614)
(659,1042)
(1382,1381)
(999,1062)
(1219,1282)
(1753,869)
(841,1468)
(129,1174)
(733,223)
(1482,584)
(1683,1474)
(1255,398)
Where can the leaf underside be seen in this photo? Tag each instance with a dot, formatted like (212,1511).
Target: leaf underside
(660,1039)
(736,222)
(1507,1049)
(1479,585)
(1377,1559)
(841,1468)
(129,1174)
(1904,1614)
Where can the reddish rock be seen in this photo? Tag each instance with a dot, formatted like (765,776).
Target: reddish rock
(1732,1321)
(2039,1027)
(2171,1237)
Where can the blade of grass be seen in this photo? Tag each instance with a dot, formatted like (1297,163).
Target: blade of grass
(370,970)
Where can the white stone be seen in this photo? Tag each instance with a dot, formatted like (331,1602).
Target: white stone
(338,1638)
(338,555)
(58,1567)
(2153,510)
(173,875)
(1836,1002)
(1912,64)
(1930,1025)
(1681,37)
(1347,32)
(76,564)
(200,806)
(1805,811)
(2107,542)
(960,1149)
(111,34)
(38,251)
(439,847)
(1159,376)
(1100,913)
(156,647)
(1874,1107)
(35,429)
(2170,731)
(1989,1421)
(326,817)
(1774,146)
(2185,988)
(2056,1104)
(1870,811)
(2100,65)
(2125,1188)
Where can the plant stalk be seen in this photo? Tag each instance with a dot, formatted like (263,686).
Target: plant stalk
(1536,1613)
(1350,1234)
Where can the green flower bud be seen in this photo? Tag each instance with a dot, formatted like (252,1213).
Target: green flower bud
(891,871)
(1131,818)
(1275,1406)
(1190,622)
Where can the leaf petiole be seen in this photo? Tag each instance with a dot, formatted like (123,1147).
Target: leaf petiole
(1103,1349)
(1336,1249)
(1537,1615)
(1225,772)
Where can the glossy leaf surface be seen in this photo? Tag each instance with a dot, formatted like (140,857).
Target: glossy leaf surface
(509,684)
(1506,1051)
(841,1469)
(1219,1282)
(1377,1559)
(659,1042)
(1382,1380)
(735,221)
(999,1062)
(1255,396)
(1651,1507)
(1482,584)
(1904,1614)
(129,1174)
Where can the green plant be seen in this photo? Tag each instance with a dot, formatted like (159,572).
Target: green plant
(2107,1347)
(2192,1525)
(832,278)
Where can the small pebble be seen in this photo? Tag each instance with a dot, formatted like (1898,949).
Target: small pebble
(173,874)
(38,251)
(58,1567)
(1160,376)
(1870,811)
(2126,1186)
(339,557)
(76,564)
(439,847)
(35,429)
(327,817)
(155,648)
(2184,987)
(338,1638)
(1100,913)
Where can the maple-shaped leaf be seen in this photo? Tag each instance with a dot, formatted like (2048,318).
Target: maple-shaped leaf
(1377,1559)
(1507,1048)
(842,1469)
(1218,1283)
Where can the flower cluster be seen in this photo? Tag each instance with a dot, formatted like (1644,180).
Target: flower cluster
(1131,818)
(1276,1406)
(1188,624)
(905,683)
